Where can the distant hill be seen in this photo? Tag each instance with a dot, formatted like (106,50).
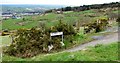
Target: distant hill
(88,7)
(27,7)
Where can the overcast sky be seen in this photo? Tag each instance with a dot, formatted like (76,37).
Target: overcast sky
(58,2)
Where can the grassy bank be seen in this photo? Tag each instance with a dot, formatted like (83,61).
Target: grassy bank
(97,53)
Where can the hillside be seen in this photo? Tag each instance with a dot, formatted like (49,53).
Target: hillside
(63,34)
(52,18)
(27,7)
(88,7)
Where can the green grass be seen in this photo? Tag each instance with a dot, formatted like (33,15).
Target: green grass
(0,26)
(50,19)
(116,11)
(5,40)
(11,24)
(78,39)
(98,53)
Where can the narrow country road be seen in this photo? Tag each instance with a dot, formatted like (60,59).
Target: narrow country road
(105,40)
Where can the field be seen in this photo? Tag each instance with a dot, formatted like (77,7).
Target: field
(97,53)
(51,19)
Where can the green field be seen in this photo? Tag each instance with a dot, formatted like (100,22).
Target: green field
(97,53)
(51,19)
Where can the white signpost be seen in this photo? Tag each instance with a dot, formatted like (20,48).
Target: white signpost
(56,34)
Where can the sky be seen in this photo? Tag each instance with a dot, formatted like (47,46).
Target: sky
(58,2)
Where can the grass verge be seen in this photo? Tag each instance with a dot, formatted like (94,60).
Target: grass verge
(97,53)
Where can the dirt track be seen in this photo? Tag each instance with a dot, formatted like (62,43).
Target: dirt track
(105,40)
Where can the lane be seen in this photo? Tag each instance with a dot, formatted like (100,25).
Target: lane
(105,40)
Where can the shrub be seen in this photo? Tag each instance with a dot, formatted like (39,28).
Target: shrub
(118,19)
(30,42)
(63,27)
(99,25)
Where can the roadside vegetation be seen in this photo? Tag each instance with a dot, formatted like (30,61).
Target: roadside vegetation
(97,53)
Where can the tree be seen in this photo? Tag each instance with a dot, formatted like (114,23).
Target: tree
(68,9)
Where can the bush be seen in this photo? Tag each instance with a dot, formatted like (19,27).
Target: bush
(98,26)
(30,42)
(118,19)
(63,27)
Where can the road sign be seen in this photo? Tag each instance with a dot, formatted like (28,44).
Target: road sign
(56,33)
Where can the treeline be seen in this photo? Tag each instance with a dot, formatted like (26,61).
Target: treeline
(87,7)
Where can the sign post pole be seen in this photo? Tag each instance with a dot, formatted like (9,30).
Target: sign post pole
(62,38)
